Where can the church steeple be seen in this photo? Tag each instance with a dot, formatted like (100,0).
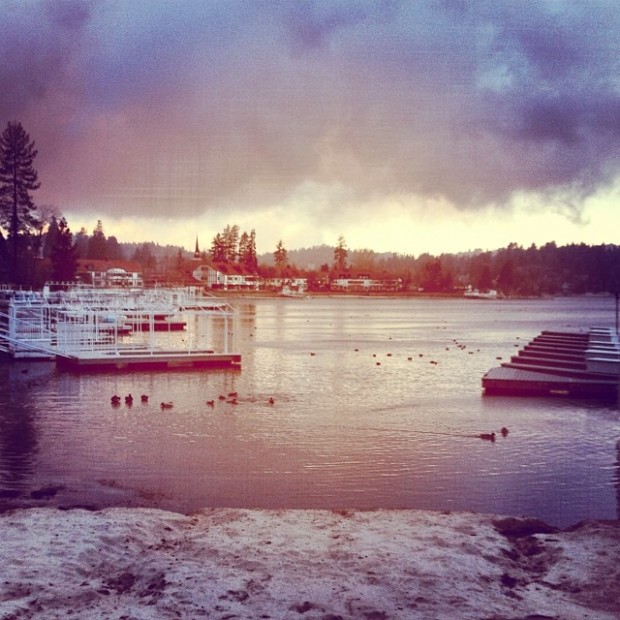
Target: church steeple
(197,251)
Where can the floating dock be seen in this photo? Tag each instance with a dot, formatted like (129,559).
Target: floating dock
(153,360)
(104,329)
(570,364)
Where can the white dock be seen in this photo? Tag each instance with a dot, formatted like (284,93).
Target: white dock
(94,328)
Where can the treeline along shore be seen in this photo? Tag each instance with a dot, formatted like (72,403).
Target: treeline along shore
(513,271)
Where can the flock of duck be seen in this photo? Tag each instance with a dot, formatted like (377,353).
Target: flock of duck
(231,398)
(491,436)
(459,345)
(116,400)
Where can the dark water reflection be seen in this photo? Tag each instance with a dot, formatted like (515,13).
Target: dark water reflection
(18,434)
(362,418)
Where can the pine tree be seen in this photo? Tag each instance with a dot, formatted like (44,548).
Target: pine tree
(340,256)
(218,249)
(47,215)
(97,244)
(243,248)
(247,251)
(231,240)
(64,254)
(251,258)
(17,179)
(280,257)
(81,242)
(113,249)
(51,237)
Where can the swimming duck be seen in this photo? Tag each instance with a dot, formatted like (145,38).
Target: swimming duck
(129,399)
(144,398)
(211,403)
(115,400)
(166,405)
(504,431)
(487,436)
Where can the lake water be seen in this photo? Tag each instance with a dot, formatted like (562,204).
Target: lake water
(378,403)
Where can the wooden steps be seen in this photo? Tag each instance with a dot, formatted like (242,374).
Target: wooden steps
(561,364)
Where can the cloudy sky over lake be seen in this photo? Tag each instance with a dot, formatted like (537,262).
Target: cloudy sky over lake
(407,126)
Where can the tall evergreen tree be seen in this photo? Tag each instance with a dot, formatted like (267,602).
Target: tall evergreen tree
(81,239)
(113,249)
(340,255)
(64,254)
(281,257)
(46,215)
(51,237)
(247,251)
(218,249)
(231,240)
(17,179)
(97,244)
(243,247)
(251,258)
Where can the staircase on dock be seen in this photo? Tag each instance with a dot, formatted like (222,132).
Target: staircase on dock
(557,363)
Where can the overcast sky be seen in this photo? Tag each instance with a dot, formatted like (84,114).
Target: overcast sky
(410,126)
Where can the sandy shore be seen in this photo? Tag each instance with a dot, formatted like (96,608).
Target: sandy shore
(224,563)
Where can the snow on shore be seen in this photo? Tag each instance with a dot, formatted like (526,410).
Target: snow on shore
(313,565)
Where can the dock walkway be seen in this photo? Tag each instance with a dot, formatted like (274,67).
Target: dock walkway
(135,360)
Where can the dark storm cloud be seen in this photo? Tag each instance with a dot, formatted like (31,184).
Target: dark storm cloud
(558,113)
(153,105)
(36,44)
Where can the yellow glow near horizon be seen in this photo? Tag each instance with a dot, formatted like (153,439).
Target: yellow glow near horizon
(393,226)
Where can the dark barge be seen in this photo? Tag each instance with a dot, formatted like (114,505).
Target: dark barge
(556,363)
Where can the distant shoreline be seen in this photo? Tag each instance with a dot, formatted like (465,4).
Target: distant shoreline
(392,295)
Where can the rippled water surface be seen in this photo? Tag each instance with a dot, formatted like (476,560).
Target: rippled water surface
(378,403)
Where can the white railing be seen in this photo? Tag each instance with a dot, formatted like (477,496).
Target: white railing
(79,320)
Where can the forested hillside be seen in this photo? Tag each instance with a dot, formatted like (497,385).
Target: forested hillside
(514,270)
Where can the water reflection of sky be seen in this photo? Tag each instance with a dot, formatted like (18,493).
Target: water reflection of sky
(378,404)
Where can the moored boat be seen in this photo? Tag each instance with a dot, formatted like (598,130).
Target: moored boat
(474,293)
